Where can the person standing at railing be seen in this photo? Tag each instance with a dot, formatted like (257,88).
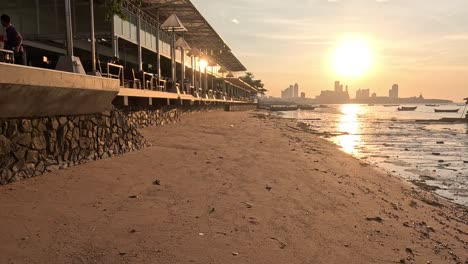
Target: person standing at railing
(14,40)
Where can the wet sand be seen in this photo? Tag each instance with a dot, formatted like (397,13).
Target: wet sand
(233,188)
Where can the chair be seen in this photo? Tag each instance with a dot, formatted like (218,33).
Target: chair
(136,83)
(103,74)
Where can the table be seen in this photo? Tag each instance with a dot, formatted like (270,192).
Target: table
(119,75)
(150,80)
(8,56)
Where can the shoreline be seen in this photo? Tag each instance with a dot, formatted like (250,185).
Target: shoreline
(231,188)
(411,183)
(398,168)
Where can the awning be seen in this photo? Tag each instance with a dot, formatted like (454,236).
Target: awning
(200,33)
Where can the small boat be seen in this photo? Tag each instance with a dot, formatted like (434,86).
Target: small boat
(432,105)
(390,105)
(407,108)
(370,105)
(306,107)
(446,110)
(283,108)
(444,120)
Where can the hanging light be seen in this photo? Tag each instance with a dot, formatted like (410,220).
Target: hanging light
(194,52)
(182,44)
(173,23)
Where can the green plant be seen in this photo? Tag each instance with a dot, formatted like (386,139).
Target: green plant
(258,84)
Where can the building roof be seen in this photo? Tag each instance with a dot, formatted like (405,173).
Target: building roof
(241,84)
(199,33)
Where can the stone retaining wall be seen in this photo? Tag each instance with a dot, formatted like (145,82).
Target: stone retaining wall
(31,147)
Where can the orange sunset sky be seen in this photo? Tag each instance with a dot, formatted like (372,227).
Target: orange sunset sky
(420,44)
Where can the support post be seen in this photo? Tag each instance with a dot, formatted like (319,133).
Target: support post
(182,62)
(93,38)
(173,59)
(69,27)
(206,80)
(158,55)
(193,70)
(140,58)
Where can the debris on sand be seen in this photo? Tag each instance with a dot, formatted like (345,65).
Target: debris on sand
(212,210)
(235,253)
(157,182)
(247,204)
(133,196)
(377,219)
(281,244)
(268,188)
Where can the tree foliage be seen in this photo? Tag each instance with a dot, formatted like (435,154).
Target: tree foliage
(250,79)
(114,7)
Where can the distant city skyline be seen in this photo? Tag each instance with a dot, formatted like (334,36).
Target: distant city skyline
(423,51)
(291,92)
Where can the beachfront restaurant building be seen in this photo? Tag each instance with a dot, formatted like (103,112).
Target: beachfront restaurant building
(152,49)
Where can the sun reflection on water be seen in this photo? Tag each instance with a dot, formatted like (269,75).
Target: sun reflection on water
(350,125)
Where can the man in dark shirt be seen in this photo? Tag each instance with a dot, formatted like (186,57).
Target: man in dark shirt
(14,40)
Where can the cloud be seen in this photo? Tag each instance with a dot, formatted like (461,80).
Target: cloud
(235,21)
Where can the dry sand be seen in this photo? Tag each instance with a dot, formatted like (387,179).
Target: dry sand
(234,188)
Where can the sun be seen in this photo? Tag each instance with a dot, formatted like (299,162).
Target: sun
(352,58)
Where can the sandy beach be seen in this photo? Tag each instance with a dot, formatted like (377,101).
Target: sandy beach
(228,188)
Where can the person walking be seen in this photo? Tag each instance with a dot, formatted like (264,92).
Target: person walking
(14,40)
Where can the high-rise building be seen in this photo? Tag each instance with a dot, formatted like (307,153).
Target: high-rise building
(288,92)
(393,93)
(362,94)
(291,92)
(337,86)
(303,95)
(338,96)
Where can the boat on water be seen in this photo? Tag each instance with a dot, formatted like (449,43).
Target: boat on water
(432,105)
(446,110)
(444,120)
(390,105)
(283,108)
(370,105)
(407,108)
(306,107)
(449,120)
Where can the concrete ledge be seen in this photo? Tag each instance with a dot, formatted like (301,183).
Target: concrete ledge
(129,92)
(35,92)
(146,93)
(30,76)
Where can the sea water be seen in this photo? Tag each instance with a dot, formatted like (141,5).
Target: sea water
(432,155)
